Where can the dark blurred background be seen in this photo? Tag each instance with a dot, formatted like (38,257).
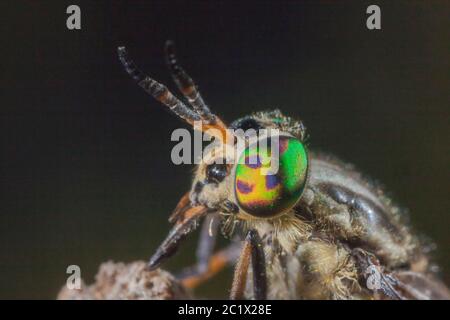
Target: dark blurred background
(86,174)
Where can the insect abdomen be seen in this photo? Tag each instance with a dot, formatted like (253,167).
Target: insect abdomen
(355,207)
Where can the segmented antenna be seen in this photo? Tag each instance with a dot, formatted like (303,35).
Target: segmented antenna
(160,92)
(156,89)
(186,85)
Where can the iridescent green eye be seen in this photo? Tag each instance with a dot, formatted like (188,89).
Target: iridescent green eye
(268,195)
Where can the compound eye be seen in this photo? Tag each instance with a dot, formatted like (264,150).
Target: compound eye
(216,172)
(264,194)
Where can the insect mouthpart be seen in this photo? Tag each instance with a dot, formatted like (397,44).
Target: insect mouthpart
(186,222)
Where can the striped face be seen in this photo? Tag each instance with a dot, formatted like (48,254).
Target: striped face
(267,195)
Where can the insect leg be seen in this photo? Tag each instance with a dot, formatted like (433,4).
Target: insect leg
(259,267)
(374,278)
(216,263)
(253,250)
(194,275)
(207,241)
(403,285)
(186,84)
(240,273)
(209,263)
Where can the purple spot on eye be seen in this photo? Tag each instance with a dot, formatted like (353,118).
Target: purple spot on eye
(253,162)
(271,181)
(284,143)
(244,187)
(256,203)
